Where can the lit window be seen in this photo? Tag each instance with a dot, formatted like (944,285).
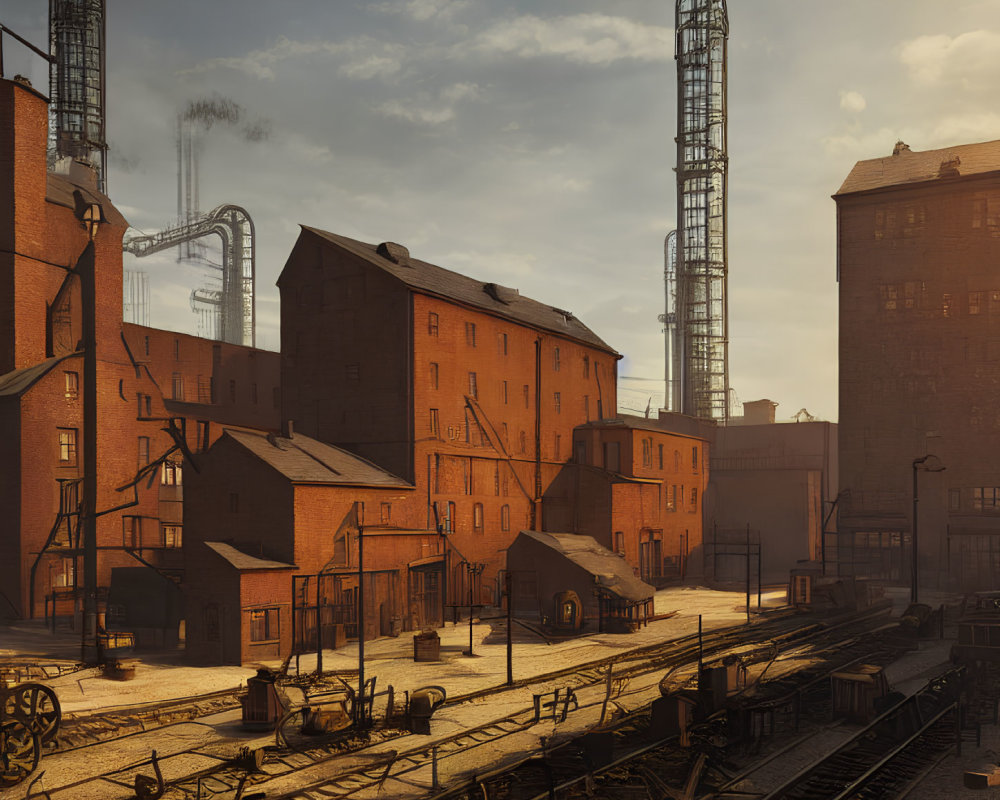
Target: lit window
(557,402)
(505,518)
(72,385)
(671,492)
(477,517)
(178,386)
(264,625)
(986,498)
(171,474)
(171,535)
(975,302)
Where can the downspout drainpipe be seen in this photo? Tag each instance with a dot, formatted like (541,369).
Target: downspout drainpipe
(538,434)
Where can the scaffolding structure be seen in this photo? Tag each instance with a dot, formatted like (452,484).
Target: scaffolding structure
(77,84)
(696,314)
(227,311)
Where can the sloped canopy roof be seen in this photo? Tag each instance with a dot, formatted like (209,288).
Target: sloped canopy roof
(19,381)
(908,166)
(302,459)
(612,572)
(242,561)
(500,300)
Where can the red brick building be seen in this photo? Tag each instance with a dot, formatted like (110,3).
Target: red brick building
(147,381)
(918,244)
(466,389)
(637,486)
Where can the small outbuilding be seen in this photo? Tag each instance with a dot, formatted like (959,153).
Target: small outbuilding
(572,584)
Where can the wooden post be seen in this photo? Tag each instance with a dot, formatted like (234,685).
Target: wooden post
(508,580)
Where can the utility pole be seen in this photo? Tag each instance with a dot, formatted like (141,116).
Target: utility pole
(359,509)
(508,587)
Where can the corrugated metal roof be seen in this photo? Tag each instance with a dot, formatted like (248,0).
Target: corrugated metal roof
(613,572)
(909,166)
(302,459)
(499,300)
(18,381)
(242,561)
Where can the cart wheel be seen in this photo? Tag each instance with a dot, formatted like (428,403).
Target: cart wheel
(36,706)
(20,749)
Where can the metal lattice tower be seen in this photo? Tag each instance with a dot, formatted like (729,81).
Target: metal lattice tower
(76,83)
(699,321)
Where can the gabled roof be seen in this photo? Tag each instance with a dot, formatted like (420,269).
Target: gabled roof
(241,561)
(612,572)
(302,459)
(18,381)
(908,166)
(500,300)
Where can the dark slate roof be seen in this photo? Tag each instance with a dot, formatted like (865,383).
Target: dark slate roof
(491,297)
(676,424)
(612,572)
(18,381)
(305,460)
(242,561)
(60,188)
(909,166)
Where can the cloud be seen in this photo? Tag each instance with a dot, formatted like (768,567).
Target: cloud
(370,58)
(431,112)
(582,38)
(852,101)
(967,59)
(423,10)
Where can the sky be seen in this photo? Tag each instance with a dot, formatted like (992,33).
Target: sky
(531,144)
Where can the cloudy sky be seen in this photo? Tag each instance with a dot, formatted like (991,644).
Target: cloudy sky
(531,144)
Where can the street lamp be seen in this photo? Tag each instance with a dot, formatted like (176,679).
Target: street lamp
(928,463)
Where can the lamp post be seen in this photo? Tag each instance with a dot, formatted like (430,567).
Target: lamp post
(928,463)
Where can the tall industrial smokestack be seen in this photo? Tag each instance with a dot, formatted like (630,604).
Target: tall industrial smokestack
(701,332)
(76,83)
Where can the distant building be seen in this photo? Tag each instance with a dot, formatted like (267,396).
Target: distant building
(637,486)
(157,393)
(918,237)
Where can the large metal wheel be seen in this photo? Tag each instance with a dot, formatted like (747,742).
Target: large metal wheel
(20,749)
(35,706)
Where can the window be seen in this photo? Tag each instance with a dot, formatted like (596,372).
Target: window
(434,375)
(432,324)
(264,625)
(694,458)
(555,359)
(72,385)
(558,442)
(143,450)
(470,334)
(178,386)
(253,393)
(201,444)
(435,425)
(473,389)
(586,407)
(145,403)
(505,518)
(986,498)
(954,500)
(522,444)
(177,349)
(171,535)
(232,391)
(612,456)
(975,302)
(352,372)
(647,452)
(146,344)
(659,449)
(502,343)
(586,366)
(671,492)
(496,481)
(234,502)
(477,517)
(527,395)
(452,517)
(171,473)
(467,475)
(620,542)
(694,501)
(946,305)
(503,392)
(557,402)
(385,513)
(677,460)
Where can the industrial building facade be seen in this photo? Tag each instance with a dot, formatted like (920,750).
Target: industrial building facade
(918,244)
